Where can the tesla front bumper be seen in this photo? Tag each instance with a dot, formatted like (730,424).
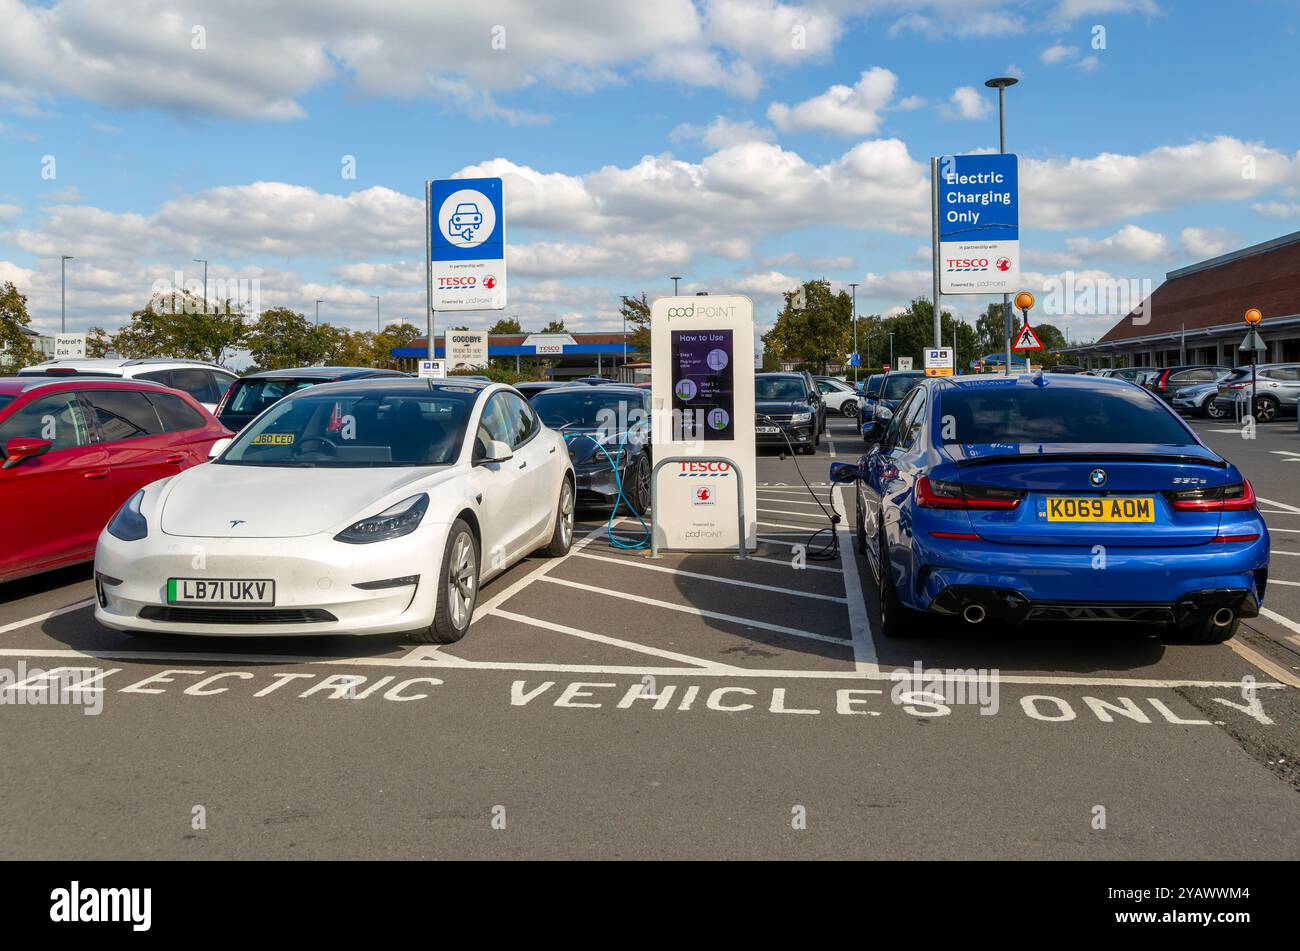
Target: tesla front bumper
(322,586)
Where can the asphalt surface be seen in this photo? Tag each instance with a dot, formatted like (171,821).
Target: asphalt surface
(606,705)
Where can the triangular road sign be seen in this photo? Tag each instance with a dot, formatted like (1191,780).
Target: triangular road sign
(1027,339)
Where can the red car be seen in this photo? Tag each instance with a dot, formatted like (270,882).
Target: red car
(74,450)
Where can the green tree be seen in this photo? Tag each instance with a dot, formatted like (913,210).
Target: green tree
(394,336)
(175,325)
(554,327)
(284,338)
(506,325)
(816,336)
(99,342)
(990,330)
(636,311)
(16,349)
(348,348)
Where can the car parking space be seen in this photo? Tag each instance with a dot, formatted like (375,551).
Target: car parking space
(667,682)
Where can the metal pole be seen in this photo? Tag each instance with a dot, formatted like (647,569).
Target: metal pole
(934,246)
(891,352)
(378,329)
(63,293)
(855,331)
(1002,147)
(428,269)
(675,280)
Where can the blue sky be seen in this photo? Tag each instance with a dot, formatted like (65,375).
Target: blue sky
(638,140)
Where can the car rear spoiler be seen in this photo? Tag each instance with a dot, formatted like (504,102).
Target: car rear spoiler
(1093,457)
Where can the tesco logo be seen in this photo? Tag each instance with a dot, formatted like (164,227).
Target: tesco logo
(457,281)
(968,263)
(705,467)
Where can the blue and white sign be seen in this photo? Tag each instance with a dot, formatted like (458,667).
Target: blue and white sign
(855,360)
(467,244)
(979,224)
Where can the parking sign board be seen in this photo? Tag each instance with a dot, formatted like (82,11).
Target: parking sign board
(938,361)
(979,224)
(69,346)
(432,369)
(467,244)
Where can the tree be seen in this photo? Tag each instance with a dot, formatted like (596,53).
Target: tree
(175,325)
(284,338)
(554,327)
(394,336)
(506,325)
(99,343)
(16,349)
(636,311)
(349,348)
(990,330)
(817,335)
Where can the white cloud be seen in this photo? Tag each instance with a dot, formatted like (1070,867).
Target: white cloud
(844,110)
(966,103)
(765,29)
(722,132)
(9,213)
(1058,53)
(1203,243)
(1129,243)
(1278,209)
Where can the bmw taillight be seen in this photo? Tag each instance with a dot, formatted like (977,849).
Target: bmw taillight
(1238,497)
(942,494)
(1163,382)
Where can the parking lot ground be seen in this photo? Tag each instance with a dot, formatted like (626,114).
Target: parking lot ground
(608,704)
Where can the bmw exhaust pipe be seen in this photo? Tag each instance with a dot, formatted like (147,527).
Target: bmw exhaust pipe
(974,613)
(1222,617)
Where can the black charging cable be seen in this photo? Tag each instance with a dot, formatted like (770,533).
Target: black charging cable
(815,551)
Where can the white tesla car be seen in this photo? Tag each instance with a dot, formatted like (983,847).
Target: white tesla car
(353,508)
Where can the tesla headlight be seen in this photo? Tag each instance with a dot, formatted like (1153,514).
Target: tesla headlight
(128,524)
(393,522)
(800,418)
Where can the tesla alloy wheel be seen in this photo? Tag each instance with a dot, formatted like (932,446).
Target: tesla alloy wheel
(457,588)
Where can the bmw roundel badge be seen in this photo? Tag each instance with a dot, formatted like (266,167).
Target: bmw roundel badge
(1097,478)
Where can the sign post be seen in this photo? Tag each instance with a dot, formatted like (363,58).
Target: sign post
(939,361)
(1254,345)
(1026,339)
(976,228)
(465,236)
(69,346)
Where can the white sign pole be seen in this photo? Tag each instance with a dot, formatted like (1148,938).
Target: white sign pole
(934,248)
(428,269)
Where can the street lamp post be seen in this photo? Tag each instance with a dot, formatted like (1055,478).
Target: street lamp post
(204,262)
(891,351)
(675,280)
(63,292)
(854,288)
(318,303)
(378,328)
(1000,83)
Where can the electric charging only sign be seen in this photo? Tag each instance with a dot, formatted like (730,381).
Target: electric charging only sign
(703,390)
(979,224)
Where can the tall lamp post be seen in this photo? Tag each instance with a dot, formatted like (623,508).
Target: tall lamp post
(378,328)
(204,262)
(675,280)
(318,303)
(854,288)
(1000,83)
(63,292)
(891,352)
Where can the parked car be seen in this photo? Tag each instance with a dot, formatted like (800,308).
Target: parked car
(1168,382)
(894,386)
(839,396)
(442,485)
(607,430)
(533,387)
(250,395)
(1066,368)
(989,499)
(785,406)
(75,449)
(206,382)
(1202,398)
(1276,387)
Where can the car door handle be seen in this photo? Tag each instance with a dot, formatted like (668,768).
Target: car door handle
(176,458)
(523,464)
(95,474)
(551,450)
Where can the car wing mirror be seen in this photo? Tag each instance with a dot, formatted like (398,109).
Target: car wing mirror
(218,447)
(497,451)
(843,473)
(21,448)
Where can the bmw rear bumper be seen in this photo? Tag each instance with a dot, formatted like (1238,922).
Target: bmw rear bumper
(1011,606)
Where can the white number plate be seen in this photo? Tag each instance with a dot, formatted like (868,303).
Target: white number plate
(765,430)
(224,591)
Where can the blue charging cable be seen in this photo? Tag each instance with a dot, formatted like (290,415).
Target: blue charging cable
(616,540)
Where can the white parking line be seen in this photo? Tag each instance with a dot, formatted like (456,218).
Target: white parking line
(804,567)
(700,612)
(46,616)
(864,645)
(1282,505)
(788,512)
(790,501)
(718,578)
(616,642)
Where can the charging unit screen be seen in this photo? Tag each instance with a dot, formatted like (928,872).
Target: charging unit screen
(703,384)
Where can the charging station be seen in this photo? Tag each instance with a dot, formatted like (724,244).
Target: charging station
(702,395)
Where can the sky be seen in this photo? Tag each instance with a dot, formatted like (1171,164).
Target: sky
(745,145)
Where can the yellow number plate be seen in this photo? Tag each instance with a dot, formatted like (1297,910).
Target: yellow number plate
(1111,509)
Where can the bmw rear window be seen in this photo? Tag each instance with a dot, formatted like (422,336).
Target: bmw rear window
(1024,413)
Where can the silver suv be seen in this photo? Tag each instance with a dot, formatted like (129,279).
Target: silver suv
(1277,385)
(206,382)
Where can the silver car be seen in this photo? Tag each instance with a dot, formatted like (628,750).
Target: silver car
(1277,386)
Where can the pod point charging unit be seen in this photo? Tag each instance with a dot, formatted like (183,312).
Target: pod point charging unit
(702,394)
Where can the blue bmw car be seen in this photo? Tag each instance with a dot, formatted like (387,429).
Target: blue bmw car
(1054,497)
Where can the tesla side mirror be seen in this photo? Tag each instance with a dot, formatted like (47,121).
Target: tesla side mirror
(218,447)
(24,447)
(497,451)
(845,472)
